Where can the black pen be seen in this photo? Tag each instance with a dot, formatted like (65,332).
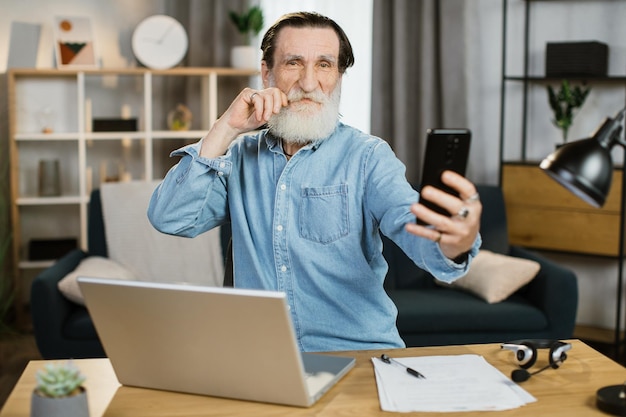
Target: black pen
(412,371)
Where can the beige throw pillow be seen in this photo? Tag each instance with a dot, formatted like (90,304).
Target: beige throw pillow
(494,277)
(92,266)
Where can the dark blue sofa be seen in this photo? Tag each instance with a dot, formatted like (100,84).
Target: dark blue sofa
(428,314)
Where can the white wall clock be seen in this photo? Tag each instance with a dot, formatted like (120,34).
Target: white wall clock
(160,42)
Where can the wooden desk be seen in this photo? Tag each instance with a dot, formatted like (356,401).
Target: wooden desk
(567,391)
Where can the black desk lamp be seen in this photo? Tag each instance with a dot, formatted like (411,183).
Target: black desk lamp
(585,168)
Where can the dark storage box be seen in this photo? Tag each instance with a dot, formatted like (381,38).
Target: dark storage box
(577,59)
(114,125)
(48,249)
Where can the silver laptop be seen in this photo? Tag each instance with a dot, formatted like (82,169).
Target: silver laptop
(222,342)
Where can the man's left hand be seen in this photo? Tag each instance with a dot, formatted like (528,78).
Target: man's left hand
(455,233)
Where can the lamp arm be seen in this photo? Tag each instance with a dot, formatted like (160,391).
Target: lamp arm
(609,133)
(620,138)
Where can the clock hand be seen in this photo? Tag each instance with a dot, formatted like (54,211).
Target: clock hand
(160,40)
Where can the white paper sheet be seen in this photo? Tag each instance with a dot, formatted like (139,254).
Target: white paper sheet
(452,383)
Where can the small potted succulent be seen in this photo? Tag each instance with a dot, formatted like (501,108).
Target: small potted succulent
(248,24)
(59,392)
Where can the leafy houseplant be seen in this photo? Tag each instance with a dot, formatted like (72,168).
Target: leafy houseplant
(564,102)
(248,23)
(59,392)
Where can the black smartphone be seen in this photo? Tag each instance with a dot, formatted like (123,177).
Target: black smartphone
(446,149)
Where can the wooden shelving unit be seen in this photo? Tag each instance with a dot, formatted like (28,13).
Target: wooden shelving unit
(67,98)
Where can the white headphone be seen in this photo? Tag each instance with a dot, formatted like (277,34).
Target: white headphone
(526,355)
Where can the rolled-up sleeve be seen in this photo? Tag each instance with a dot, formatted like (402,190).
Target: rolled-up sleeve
(192,198)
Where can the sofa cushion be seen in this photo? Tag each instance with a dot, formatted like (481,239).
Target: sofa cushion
(494,277)
(442,310)
(92,266)
(151,255)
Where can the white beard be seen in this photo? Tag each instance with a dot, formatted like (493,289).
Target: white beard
(302,123)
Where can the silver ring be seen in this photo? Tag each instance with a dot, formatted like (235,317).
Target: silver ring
(473,198)
(438,237)
(253,94)
(463,213)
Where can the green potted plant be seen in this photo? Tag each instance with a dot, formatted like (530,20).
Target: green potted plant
(564,103)
(59,392)
(248,23)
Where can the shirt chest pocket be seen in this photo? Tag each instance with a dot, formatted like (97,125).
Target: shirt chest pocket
(323,216)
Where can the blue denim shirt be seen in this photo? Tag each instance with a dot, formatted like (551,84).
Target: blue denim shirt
(308,227)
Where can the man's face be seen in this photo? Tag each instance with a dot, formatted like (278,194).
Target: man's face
(305,69)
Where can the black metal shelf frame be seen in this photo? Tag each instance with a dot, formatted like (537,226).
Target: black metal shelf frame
(526,79)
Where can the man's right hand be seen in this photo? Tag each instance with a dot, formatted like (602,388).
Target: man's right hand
(250,110)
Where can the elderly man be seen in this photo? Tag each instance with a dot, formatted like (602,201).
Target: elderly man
(307,196)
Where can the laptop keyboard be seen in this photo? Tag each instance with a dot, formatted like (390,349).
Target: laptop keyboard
(317,382)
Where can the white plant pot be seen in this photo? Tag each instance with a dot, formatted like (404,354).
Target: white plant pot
(244,57)
(74,406)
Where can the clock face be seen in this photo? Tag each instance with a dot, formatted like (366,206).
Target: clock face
(159,42)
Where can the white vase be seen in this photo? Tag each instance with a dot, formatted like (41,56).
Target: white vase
(244,57)
(74,406)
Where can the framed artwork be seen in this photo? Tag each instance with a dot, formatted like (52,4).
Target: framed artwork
(74,43)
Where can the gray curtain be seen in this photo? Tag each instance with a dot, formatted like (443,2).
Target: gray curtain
(417,76)
(211,37)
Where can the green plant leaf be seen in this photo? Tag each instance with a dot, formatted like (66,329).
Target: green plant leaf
(239,21)
(255,20)
(564,103)
(58,380)
(248,23)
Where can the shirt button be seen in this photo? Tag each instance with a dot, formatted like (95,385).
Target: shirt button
(279,227)
(283,268)
(222,164)
(283,187)
(220,173)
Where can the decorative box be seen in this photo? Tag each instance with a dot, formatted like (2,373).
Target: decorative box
(47,249)
(114,125)
(577,59)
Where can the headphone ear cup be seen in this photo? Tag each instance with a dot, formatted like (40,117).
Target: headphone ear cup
(526,355)
(557,354)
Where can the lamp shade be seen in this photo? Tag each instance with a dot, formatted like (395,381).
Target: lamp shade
(584,167)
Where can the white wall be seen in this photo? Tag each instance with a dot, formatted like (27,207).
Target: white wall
(112,21)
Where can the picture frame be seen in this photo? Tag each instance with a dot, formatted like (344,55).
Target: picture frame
(24,45)
(74,42)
